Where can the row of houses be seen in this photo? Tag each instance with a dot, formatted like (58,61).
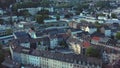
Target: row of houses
(47,59)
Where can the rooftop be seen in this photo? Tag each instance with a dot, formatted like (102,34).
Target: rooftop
(71,58)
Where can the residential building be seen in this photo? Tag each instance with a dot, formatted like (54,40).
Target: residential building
(47,59)
(5,34)
(75,45)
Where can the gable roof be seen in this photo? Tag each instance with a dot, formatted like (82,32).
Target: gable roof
(96,38)
(86,44)
(22,34)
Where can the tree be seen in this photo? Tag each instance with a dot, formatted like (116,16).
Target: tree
(25,5)
(83,21)
(118,35)
(9,31)
(45,3)
(92,52)
(32,28)
(40,19)
(42,15)
(100,14)
(113,15)
(43,11)
(39,43)
(63,44)
(57,17)
(24,13)
(1,21)
(68,15)
(97,24)
(79,7)
(103,4)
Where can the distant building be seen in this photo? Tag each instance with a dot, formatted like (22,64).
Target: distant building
(5,34)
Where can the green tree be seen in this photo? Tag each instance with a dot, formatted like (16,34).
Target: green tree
(40,19)
(113,15)
(100,14)
(26,14)
(103,4)
(42,15)
(80,7)
(1,21)
(57,17)
(92,52)
(45,3)
(43,11)
(83,21)
(9,31)
(118,35)
(68,15)
(63,44)
(26,5)
(97,24)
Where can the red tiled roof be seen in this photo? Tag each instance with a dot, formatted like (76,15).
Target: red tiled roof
(86,44)
(96,38)
(63,35)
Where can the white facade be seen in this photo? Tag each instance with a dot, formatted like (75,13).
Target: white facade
(32,34)
(53,43)
(43,62)
(92,30)
(34,60)
(107,32)
(76,48)
(102,18)
(1,12)
(87,29)
(27,45)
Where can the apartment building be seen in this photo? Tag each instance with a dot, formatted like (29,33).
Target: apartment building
(47,59)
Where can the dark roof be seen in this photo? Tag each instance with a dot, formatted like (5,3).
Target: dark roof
(22,34)
(97,34)
(63,36)
(54,31)
(38,33)
(31,40)
(92,26)
(72,29)
(83,34)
